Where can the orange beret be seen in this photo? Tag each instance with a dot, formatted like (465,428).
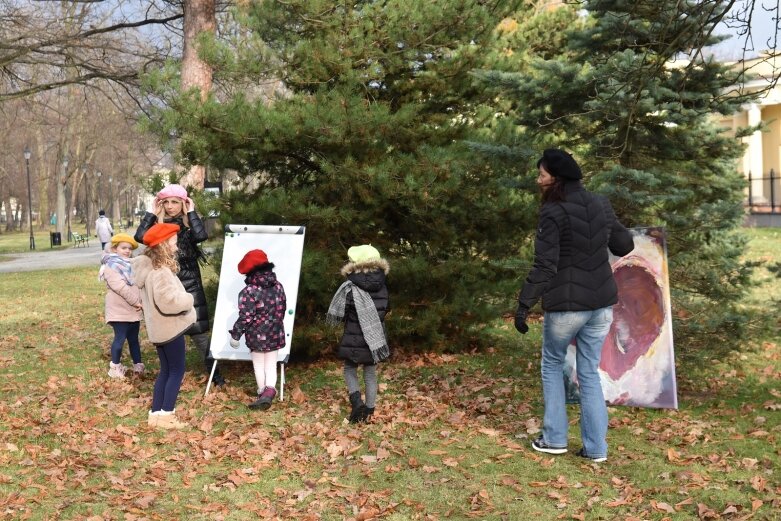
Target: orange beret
(160,232)
(252,260)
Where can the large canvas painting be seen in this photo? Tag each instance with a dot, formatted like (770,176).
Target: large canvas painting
(638,363)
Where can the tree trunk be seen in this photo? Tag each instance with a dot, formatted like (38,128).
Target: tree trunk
(9,214)
(39,177)
(62,179)
(199,16)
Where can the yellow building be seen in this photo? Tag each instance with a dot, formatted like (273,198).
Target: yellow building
(761,162)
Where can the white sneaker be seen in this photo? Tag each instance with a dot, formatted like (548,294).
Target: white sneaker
(116,370)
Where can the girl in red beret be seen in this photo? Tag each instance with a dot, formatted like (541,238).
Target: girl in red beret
(262,305)
(168,313)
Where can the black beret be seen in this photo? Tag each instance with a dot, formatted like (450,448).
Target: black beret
(559,163)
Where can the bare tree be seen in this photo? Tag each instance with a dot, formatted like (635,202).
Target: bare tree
(47,45)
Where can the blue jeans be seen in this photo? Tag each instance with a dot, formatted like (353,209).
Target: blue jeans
(169,381)
(589,329)
(122,331)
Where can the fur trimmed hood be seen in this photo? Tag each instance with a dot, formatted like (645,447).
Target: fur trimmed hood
(365,267)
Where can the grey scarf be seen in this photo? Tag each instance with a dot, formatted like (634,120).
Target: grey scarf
(369,320)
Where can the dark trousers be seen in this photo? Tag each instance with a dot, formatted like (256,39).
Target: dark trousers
(169,381)
(125,331)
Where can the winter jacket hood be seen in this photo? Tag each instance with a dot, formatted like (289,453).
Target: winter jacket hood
(263,279)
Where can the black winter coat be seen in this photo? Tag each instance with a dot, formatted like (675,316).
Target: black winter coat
(370,277)
(571,269)
(188,255)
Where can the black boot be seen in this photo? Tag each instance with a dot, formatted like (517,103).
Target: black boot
(357,407)
(366,414)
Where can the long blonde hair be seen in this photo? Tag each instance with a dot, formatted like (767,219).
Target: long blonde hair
(161,215)
(162,256)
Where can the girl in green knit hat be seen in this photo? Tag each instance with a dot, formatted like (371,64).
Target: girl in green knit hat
(361,303)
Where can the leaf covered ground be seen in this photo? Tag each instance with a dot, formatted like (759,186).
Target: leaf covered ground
(450,438)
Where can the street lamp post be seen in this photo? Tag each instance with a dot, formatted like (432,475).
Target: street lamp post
(27,155)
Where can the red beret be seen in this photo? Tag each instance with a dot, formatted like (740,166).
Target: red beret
(160,232)
(252,260)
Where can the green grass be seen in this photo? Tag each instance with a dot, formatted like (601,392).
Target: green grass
(450,439)
(765,246)
(19,242)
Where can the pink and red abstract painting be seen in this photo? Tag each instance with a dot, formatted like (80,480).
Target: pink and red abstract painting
(638,363)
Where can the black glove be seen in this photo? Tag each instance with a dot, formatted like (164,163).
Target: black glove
(520,320)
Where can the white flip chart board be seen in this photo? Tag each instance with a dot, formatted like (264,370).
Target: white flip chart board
(284,247)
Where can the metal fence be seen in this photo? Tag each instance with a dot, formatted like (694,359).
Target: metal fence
(768,201)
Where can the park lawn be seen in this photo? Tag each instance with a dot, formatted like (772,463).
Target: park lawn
(450,439)
(19,242)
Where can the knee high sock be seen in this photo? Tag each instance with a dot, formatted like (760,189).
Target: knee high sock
(265,366)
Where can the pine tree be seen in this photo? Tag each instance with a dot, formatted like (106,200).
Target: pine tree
(366,143)
(631,92)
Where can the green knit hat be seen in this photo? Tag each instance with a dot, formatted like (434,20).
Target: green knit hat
(363,253)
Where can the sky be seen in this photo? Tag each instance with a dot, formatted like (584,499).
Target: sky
(764,32)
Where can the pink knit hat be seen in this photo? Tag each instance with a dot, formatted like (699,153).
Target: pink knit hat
(173,191)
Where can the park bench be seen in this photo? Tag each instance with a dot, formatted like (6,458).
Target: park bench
(80,239)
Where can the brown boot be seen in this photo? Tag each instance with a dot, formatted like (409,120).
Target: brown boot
(152,419)
(167,420)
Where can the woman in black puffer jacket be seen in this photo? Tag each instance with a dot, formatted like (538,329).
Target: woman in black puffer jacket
(172,205)
(572,276)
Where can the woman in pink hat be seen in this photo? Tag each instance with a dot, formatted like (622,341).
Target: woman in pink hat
(172,205)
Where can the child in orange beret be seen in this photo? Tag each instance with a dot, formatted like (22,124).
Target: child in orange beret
(262,305)
(168,312)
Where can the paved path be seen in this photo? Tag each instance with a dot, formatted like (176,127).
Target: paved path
(45,258)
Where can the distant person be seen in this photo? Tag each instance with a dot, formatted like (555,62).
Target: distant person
(361,303)
(172,205)
(572,274)
(103,229)
(168,313)
(262,304)
(123,303)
